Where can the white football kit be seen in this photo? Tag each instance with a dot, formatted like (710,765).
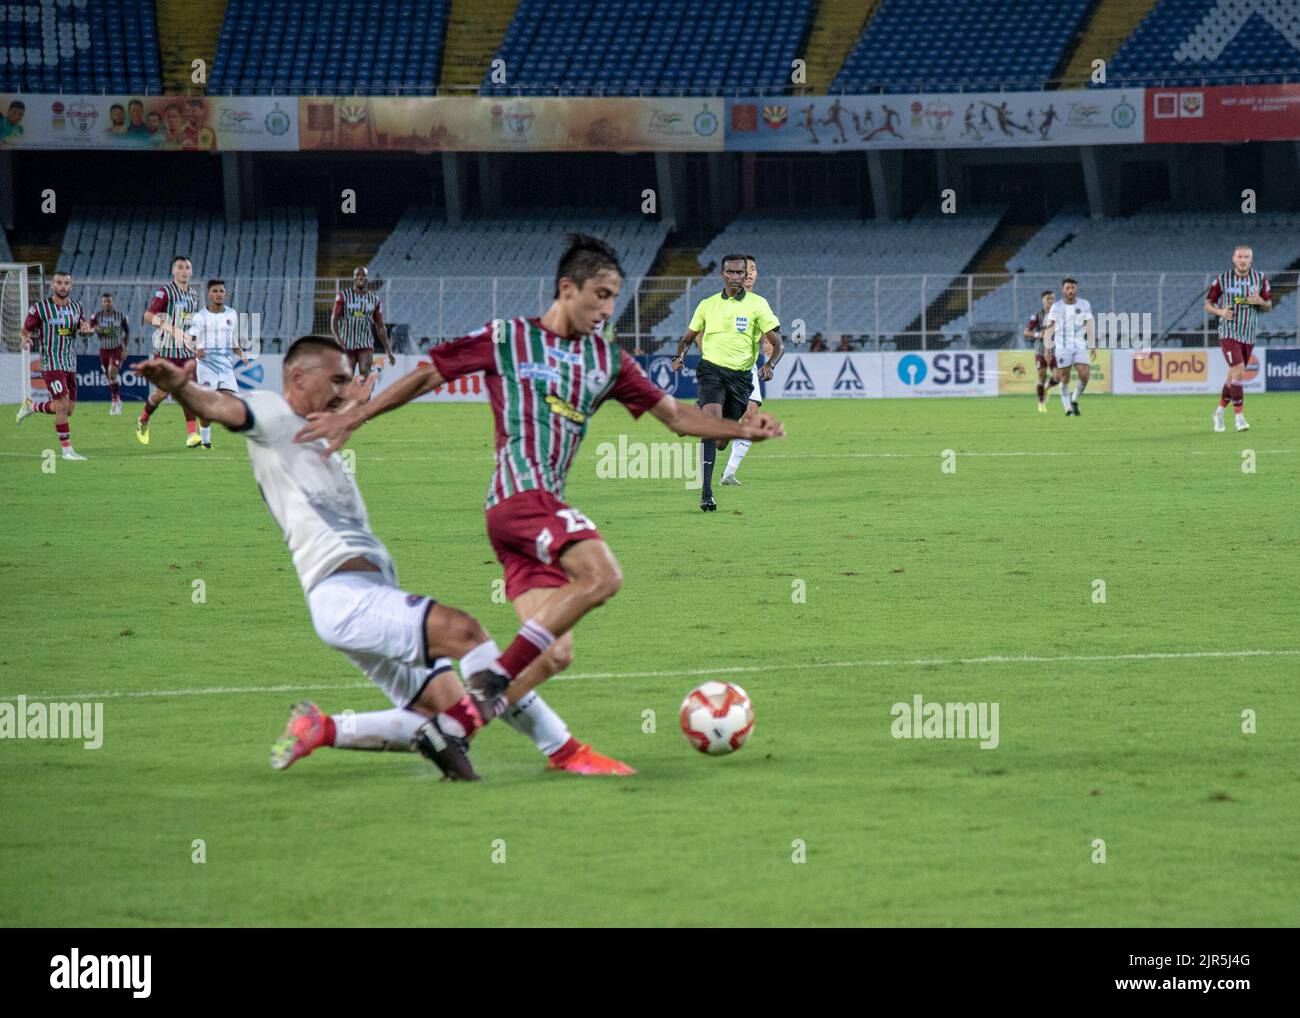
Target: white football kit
(1073,326)
(216,335)
(380,627)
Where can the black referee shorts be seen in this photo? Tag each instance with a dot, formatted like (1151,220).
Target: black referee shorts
(727,386)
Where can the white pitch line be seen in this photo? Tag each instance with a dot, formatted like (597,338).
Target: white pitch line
(697,672)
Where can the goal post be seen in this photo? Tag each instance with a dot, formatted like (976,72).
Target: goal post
(21,286)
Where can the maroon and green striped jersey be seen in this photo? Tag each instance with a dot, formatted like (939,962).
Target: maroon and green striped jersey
(55,329)
(111,328)
(1230,290)
(544,389)
(180,306)
(357,312)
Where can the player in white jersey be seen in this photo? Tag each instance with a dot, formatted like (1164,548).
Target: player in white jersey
(215,332)
(402,642)
(1069,329)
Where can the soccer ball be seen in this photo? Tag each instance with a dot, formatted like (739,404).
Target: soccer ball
(717,717)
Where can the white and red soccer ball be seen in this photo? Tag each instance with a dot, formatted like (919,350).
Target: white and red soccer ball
(717,717)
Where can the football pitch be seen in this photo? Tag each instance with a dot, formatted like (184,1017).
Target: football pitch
(1122,587)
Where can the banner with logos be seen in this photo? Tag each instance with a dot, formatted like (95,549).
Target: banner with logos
(507,124)
(956,120)
(1223,113)
(826,376)
(1282,371)
(1164,372)
(149,123)
(940,373)
(1018,373)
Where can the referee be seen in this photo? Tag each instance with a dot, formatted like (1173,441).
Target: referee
(731,327)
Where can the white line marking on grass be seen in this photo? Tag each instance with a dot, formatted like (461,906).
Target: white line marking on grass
(996,659)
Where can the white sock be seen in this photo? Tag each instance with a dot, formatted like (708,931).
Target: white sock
(1065,398)
(532,716)
(1074,394)
(377,729)
(205,435)
(481,657)
(739,447)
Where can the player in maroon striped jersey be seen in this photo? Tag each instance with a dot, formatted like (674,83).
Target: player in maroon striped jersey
(114,335)
(357,321)
(54,323)
(545,377)
(1244,293)
(1043,358)
(169,313)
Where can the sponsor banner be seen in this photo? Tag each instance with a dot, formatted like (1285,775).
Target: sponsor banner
(143,122)
(826,376)
(940,373)
(680,384)
(1202,370)
(958,120)
(1223,113)
(1018,373)
(1282,370)
(507,124)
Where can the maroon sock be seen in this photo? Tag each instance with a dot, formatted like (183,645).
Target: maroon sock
(525,648)
(466,715)
(1238,398)
(1041,390)
(1225,394)
(113,389)
(147,412)
(43,407)
(65,436)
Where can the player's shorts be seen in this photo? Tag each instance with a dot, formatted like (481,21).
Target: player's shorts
(756,394)
(221,379)
(729,387)
(111,355)
(1048,361)
(528,532)
(185,363)
(61,384)
(353,351)
(1068,355)
(1235,351)
(381,629)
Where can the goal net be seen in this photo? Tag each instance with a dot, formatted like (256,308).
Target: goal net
(21,286)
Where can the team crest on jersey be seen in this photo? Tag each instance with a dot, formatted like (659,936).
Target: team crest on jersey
(596,380)
(742,323)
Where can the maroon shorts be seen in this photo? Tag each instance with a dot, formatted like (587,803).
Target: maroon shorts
(111,355)
(61,384)
(1235,351)
(528,532)
(1041,362)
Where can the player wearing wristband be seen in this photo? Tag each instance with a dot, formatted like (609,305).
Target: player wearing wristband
(545,377)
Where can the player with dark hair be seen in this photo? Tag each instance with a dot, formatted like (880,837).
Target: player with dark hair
(357,320)
(54,323)
(1044,359)
(169,313)
(1236,298)
(731,325)
(762,373)
(114,335)
(1069,325)
(545,378)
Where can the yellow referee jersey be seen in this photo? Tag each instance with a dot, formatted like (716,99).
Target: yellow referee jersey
(731,331)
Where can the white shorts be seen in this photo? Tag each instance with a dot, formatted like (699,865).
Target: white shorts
(381,629)
(1068,355)
(212,378)
(757,395)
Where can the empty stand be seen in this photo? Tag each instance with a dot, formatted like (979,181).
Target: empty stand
(79,46)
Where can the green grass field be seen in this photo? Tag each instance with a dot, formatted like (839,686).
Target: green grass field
(1119,721)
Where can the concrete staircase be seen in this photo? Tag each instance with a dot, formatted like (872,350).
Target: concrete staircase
(187,31)
(837,24)
(475,29)
(1111,22)
(344,250)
